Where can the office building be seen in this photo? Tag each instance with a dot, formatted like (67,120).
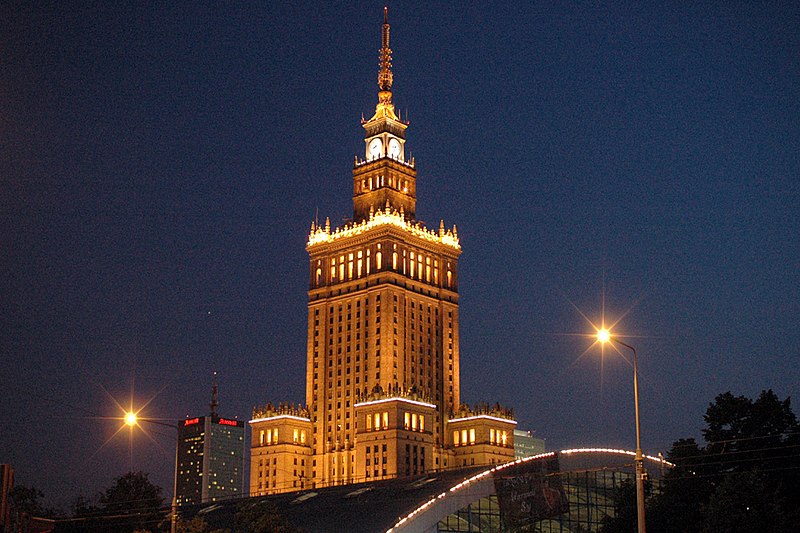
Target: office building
(210,457)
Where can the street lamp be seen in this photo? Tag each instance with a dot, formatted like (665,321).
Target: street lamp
(132,419)
(604,336)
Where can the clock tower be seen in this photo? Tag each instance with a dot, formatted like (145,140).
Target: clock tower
(383,394)
(384,178)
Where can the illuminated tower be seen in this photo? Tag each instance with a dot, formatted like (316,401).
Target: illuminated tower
(382,375)
(382,311)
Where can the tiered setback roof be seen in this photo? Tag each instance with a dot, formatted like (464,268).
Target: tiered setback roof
(323,235)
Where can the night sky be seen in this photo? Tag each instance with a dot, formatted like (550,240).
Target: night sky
(161,164)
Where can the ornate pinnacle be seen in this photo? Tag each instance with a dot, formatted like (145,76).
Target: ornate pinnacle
(385,56)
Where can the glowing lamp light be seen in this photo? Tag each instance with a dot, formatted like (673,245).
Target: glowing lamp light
(603,335)
(130,418)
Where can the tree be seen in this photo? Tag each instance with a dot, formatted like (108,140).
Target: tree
(678,508)
(131,493)
(83,506)
(131,503)
(624,519)
(742,503)
(745,478)
(27,500)
(262,517)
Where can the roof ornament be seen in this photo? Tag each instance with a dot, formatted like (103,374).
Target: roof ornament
(385,107)
(385,58)
(214,397)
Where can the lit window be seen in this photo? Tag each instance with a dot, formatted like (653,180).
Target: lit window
(505,437)
(377,421)
(455,438)
(275,436)
(414,421)
(406,423)
(295,436)
(472,436)
(385,420)
(421,423)
(464,436)
(491,435)
(261,438)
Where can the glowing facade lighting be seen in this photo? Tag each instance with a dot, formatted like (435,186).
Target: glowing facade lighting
(323,234)
(487,417)
(270,418)
(395,399)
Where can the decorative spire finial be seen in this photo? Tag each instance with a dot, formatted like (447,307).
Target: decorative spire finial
(385,58)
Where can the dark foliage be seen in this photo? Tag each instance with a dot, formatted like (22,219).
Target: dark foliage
(262,517)
(745,478)
(131,503)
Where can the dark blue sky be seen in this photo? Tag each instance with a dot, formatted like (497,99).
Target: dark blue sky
(161,165)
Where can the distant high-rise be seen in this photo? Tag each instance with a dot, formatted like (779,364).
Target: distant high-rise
(526,445)
(210,457)
(383,396)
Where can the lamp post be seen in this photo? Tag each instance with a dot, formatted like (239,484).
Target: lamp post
(132,420)
(604,336)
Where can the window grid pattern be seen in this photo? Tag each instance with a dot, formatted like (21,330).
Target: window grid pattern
(591,498)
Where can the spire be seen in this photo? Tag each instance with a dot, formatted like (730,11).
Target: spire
(385,58)
(214,398)
(385,107)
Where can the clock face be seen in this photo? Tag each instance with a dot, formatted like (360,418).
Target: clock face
(394,148)
(375,148)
